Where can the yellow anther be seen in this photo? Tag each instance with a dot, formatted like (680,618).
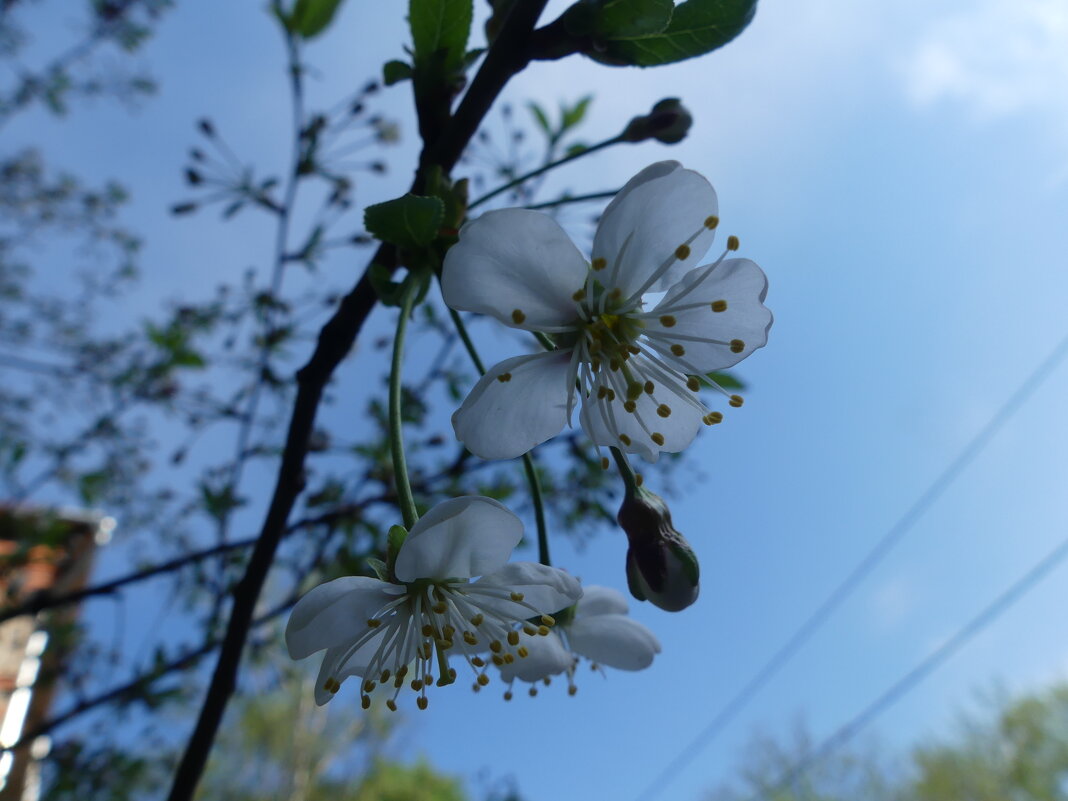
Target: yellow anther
(476,621)
(529,630)
(602,392)
(513,638)
(421,702)
(402,671)
(613,365)
(604,462)
(443,644)
(496,646)
(649,387)
(615,294)
(543,631)
(495,659)
(373,623)
(508,695)
(392,705)
(504,378)
(522,651)
(736,401)
(470,638)
(668,320)
(398,682)
(417,684)
(328,684)
(368,686)
(518,316)
(516,596)
(482,679)
(508,659)
(712,418)
(639,479)
(572,689)
(447,631)
(533,691)
(678,350)
(719,305)
(657,437)
(548,620)
(385,676)
(634,390)
(663,410)
(427,630)
(634,350)
(737,346)
(547,681)
(599,263)
(478,661)
(579,296)
(682,252)
(630,406)
(624,439)
(611,394)
(475,687)
(439,608)
(365,702)
(732,242)
(711,222)
(693,383)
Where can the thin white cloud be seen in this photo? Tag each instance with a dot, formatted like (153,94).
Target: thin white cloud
(998,57)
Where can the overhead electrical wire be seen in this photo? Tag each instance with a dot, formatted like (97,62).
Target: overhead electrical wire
(864,567)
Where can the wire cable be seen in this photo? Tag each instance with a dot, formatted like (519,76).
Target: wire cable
(867,564)
(928,665)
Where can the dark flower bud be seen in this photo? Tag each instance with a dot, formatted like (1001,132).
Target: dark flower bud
(668,122)
(661,566)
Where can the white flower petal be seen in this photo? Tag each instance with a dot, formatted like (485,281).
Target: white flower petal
(613,640)
(459,538)
(329,669)
(658,210)
(741,284)
(505,419)
(677,429)
(334,612)
(546,656)
(546,589)
(515,259)
(597,600)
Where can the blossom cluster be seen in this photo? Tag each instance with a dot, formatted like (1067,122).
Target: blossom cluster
(637,332)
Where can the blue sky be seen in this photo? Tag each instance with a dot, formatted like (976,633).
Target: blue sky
(900,171)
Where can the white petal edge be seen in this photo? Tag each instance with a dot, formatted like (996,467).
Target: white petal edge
(546,589)
(546,656)
(459,538)
(515,259)
(658,210)
(598,600)
(614,640)
(503,420)
(334,612)
(678,429)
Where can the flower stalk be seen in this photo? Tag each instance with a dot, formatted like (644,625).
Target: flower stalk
(405,500)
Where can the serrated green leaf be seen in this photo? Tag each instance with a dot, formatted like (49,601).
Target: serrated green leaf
(395,72)
(697,27)
(312,17)
(410,221)
(629,19)
(439,31)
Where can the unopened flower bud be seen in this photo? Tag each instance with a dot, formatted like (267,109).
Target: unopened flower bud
(661,566)
(668,122)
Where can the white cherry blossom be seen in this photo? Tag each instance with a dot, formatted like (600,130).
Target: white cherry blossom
(598,630)
(637,371)
(402,633)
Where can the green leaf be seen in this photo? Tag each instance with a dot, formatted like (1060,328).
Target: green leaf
(570,117)
(410,221)
(439,31)
(312,17)
(697,27)
(618,19)
(725,380)
(395,72)
(540,117)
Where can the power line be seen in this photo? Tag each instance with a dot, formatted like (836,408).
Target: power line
(878,552)
(933,661)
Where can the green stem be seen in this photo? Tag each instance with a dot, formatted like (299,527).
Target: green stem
(626,472)
(544,169)
(528,461)
(396,434)
(560,201)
